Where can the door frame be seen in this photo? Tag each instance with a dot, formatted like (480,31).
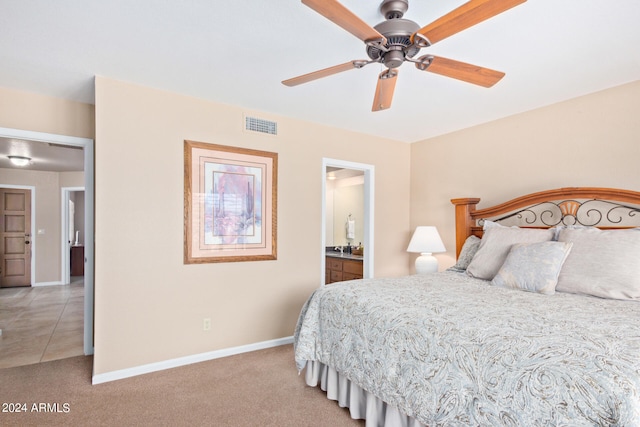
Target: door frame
(368,225)
(66,256)
(88,147)
(33,225)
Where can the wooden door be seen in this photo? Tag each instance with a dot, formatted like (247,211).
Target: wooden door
(15,237)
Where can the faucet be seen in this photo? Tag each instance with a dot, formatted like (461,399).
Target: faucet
(338,248)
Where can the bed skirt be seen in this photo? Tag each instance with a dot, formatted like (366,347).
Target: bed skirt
(362,404)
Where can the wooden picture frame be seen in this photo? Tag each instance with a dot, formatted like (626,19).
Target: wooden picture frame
(230,203)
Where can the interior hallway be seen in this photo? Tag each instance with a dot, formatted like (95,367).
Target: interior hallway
(41,323)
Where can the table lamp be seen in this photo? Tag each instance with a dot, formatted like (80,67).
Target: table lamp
(426,240)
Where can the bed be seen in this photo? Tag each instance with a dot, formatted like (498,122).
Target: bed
(538,323)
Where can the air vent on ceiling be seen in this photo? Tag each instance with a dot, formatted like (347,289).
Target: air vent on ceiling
(74,147)
(260,125)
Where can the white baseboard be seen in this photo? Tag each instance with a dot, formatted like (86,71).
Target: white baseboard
(187,360)
(47,284)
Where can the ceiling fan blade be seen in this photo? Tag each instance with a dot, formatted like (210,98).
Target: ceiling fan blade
(465,16)
(323,73)
(460,70)
(384,90)
(340,15)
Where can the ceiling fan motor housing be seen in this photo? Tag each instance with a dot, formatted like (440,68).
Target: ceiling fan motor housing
(398,33)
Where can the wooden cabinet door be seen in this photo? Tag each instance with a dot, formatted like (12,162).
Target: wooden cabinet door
(336,276)
(77,260)
(15,237)
(338,270)
(353,267)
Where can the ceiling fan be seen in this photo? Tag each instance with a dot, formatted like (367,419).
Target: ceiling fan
(396,40)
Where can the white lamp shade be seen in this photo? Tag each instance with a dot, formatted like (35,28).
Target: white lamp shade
(426,240)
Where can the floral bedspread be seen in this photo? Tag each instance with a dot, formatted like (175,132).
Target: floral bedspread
(451,350)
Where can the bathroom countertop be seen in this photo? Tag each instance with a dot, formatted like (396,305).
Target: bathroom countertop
(337,254)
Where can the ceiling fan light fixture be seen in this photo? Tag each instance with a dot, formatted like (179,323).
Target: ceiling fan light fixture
(20,160)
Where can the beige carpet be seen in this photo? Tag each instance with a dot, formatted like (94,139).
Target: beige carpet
(260,388)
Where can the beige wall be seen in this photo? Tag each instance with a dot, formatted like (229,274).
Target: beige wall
(149,305)
(71,179)
(39,113)
(587,141)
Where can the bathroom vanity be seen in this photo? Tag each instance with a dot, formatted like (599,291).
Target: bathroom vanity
(342,266)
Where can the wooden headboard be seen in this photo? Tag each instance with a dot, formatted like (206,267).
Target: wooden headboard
(589,206)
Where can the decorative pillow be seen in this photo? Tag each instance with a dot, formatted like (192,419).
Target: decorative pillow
(467,252)
(486,223)
(495,245)
(558,228)
(533,267)
(602,263)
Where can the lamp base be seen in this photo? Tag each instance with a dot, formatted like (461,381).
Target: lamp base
(426,263)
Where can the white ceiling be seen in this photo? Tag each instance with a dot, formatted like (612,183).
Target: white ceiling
(44,156)
(237,52)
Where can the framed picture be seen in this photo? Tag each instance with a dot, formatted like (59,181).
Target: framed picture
(230,200)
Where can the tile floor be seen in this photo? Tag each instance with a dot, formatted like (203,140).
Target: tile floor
(41,323)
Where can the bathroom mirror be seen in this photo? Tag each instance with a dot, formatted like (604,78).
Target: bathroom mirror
(344,207)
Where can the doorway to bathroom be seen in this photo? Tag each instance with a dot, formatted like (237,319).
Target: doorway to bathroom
(338,228)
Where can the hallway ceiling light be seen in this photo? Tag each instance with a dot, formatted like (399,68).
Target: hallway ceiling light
(20,160)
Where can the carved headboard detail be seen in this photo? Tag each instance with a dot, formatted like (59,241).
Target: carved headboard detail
(589,206)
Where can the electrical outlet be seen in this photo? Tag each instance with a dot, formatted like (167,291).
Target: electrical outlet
(206,324)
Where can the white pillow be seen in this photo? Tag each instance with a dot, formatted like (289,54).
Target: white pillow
(558,228)
(486,223)
(533,267)
(495,245)
(602,263)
